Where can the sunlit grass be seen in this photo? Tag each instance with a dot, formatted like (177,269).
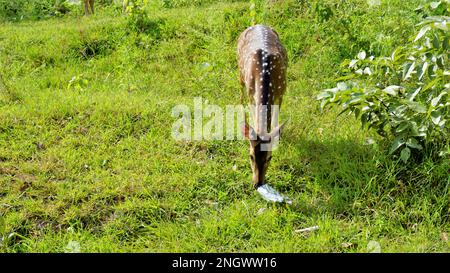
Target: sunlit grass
(86,152)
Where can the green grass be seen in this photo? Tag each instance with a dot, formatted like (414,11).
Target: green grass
(94,162)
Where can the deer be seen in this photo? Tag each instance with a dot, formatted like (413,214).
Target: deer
(262,61)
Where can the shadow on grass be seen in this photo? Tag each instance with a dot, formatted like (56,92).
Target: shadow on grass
(346,178)
(328,175)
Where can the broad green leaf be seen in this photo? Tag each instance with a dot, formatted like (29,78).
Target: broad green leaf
(422,32)
(398,142)
(424,69)
(431,84)
(436,117)
(416,106)
(436,42)
(364,119)
(413,143)
(355,98)
(397,54)
(434,5)
(346,109)
(357,112)
(346,77)
(342,86)
(402,127)
(431,73)
(405,154)
(398,110)
(440,62)
(445,42)
(409,71)
(323,95)
(324,103)
(416,131)
(441,25)
(392,90)
(414,94)
(436,100)
(419,8)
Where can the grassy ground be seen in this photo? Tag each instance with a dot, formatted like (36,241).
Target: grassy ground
(86,153)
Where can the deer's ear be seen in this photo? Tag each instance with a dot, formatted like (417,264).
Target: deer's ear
(248,132)
(277,130)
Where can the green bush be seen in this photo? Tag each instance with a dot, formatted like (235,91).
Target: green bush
(405,96)
(16,10)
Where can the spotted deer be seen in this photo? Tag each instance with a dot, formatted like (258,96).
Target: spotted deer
(262,64)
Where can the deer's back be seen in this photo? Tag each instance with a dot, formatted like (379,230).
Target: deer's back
(260,37)
(252,43)
(262,65)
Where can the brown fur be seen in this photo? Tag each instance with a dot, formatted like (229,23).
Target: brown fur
(262,64)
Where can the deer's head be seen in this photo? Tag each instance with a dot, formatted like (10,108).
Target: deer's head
(260,151)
